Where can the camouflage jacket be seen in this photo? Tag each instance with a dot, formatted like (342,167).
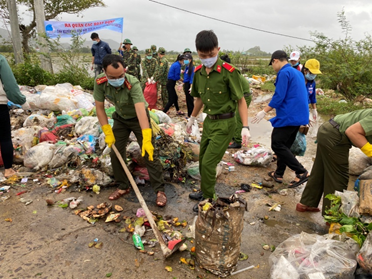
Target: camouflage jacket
(161,72)
(130,59)
(148,68)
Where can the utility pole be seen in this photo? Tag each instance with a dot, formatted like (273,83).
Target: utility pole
(46,62)
(16,35)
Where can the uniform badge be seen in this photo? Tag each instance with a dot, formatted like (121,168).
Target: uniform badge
(128,85)
(218,69)
(228,67)
(198,68)
(101,80)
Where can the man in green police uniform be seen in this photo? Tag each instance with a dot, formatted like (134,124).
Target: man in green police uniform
(330,171)
(218,86)
(131,115)
(161,76)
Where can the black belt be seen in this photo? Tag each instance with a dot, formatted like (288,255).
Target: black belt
(221,116)
(334,124)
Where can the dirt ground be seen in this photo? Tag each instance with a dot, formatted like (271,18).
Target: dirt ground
(52,242)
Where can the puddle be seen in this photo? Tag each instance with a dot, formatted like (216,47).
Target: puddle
(262,98)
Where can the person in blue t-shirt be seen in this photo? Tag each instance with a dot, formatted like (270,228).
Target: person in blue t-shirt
(310,70)
(174,75)
(99,50)
(290,101)
(188,76)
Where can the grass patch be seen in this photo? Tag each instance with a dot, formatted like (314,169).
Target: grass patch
(331,106)
(268,86)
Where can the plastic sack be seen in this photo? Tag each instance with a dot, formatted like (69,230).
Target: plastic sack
(218,231)
(46,135)
(82,98)
(24,137)
(39,120)
(135,152)
(255,156)
(364,256)
(88,126)
(39,156)
(365,194)
(358,161)
(298,147)
(349,202)
(88,177)
(154,117)
(63,154)
(179,132)
(150,94)
(88,142)
(167,128)
(64,119)
(314,256)
(66,131)
(163,117)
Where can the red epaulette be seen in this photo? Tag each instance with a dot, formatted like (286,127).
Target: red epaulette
(218,68)
(101,80)
(228,67)
(127,84)
(198,68)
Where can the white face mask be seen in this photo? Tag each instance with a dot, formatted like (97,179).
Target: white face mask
(209,62)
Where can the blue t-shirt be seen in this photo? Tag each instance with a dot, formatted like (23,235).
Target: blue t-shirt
(188,77)
(290,99)
(174,72)
(311,91)
(99,51)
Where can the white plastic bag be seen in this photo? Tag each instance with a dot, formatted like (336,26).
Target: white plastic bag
(255,156)
(88,125)
(39,156)
(349,202)
(82,99)
(39,120)
(63,154)
(163,117)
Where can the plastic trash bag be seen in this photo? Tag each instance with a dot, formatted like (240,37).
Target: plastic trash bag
(314,256)
(298,147)
(364,256)
(105,161)
(39,120)
(88,125)
(39,156)
(46,135)
(163,117)
(193,170)
(349,203)
(150,94)
(63,154)
(135,152)
(179,132)
(358,161)
(154,117)
(255,156)
(24,136)
(88,142)
(195,133)
(86,176)
(83,99)
(64,119)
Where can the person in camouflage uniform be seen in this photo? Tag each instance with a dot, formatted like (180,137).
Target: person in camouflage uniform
(161,75)
(130,59)
(138,62)
(148,67)
(154,53)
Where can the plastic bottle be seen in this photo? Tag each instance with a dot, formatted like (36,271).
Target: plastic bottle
(137,241)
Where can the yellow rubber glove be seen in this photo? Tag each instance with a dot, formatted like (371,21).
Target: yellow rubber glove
(367,149)
(146,143)
(109,139)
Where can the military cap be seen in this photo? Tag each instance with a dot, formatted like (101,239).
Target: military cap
(148,51)
(135,48)
(187,50)
(161,50)
(153,47)
(127,41)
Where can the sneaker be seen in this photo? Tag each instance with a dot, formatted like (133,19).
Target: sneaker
(235,145)
(198,196)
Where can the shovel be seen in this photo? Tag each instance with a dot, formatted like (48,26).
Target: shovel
(164,248)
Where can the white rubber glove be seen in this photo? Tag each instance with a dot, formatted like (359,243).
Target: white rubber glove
(189,124)
(26,106)
(259,117)
(246,136)
(315,114)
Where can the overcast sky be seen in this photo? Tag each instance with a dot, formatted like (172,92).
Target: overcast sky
(147,23)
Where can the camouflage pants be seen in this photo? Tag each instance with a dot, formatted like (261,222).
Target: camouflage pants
(163,94)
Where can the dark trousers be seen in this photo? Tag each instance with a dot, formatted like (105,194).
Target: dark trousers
(122,129)
(6,137)
(330,170)
(172,95)
(98,69)
(189,98)
(281,141)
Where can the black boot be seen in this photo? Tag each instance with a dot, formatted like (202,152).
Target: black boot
(235,145)
(196,208)
(198,196)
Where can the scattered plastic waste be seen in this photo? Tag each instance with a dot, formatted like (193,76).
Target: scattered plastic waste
(137,241)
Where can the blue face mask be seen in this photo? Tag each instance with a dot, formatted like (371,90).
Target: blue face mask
(309,76)
(186,62)
(209,62)
(116,82)
(149,57)
(95,42)
(295,65)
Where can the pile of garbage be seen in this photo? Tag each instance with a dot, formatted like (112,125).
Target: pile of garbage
(62,136)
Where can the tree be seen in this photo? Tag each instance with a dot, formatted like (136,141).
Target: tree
(53,8)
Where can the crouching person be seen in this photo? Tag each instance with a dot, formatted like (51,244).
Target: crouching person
(131,115)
